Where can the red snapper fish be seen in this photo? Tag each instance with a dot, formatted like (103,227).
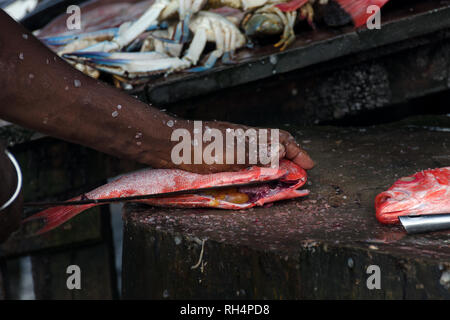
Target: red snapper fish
(281,183)
(426,192)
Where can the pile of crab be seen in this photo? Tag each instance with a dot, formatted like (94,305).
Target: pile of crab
(134,40)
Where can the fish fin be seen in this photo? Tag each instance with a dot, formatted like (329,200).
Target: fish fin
(357,9)
(291,5)
(56,216)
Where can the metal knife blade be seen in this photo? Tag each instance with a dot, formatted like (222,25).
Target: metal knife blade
(425,223)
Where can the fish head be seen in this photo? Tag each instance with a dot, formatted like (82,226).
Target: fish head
(418,194)
(290,177)
(293,171)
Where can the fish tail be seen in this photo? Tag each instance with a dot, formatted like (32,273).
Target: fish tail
(56,216)
(357,9)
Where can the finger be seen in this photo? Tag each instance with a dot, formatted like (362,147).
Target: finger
(304,160)
(299,156)
(282,153)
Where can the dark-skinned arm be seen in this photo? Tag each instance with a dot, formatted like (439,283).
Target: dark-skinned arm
(40,91)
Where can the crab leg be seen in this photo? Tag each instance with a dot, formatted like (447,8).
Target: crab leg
(89,40)
(64,40)
(158,42)
(193,55)
(131,64)
(197,45)
(129,31)
(186,9)
(149,18)
(288,34)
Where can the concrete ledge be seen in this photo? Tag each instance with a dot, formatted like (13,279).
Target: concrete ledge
(318,247)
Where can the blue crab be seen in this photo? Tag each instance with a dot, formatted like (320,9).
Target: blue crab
(206,27)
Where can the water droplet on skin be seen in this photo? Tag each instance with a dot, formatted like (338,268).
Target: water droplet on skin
(66,88)
(170,123)
(21,56)
(45,120)
(25,36)
(31,76)
(77,83)
(138,135)
(115,114)
(274,72)
(47,61)
(119,106)
(138,143)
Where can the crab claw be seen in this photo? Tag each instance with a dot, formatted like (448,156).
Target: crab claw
(263,24)
(113,57)
(129,64)
(94,35)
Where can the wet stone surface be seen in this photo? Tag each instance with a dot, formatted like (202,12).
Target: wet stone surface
(336,222)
